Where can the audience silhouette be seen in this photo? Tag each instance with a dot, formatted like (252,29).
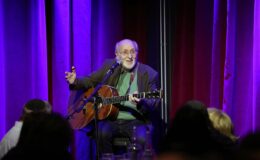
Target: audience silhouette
(192,135)
(43,136)
(249,147)
(11,137)
(222,122)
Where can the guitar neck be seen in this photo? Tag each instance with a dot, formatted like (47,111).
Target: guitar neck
(118,99)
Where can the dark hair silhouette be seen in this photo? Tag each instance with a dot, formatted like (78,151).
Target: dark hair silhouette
(249,147)
(43,136)
(36,106)
(192,134)
(190,129)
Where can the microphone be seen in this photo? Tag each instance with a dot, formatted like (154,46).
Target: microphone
(114,66)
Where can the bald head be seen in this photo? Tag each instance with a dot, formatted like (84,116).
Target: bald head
(126,42)
(126,52)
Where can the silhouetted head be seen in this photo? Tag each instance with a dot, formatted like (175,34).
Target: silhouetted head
(45,134)
(250,147)
(192,119)
(190,129)
(36,106)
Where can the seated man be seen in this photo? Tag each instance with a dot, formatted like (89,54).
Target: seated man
(11,138)
(129,78)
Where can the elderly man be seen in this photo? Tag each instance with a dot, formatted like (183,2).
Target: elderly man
(129,78)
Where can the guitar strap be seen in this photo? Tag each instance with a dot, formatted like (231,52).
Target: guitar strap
(132,77)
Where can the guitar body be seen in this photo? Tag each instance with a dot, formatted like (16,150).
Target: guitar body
(87,114)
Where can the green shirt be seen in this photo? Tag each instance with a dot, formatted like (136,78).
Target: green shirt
(124,89)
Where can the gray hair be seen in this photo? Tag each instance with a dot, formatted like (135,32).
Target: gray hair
(118,44)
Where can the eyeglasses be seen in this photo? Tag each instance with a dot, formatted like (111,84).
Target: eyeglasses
(126,53)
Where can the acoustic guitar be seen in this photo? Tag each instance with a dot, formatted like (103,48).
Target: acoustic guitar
(107,109)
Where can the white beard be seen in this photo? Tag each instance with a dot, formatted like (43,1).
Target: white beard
(129,66)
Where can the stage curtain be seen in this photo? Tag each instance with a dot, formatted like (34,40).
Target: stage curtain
(216,58)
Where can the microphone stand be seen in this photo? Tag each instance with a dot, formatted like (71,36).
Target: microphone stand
(97,100)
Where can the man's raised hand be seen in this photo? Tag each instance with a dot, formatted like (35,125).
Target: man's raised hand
(71,76)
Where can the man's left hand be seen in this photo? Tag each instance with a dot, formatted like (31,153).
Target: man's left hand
(133,99)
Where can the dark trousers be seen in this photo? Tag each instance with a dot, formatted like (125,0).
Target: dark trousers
(120,128)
